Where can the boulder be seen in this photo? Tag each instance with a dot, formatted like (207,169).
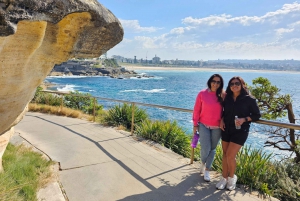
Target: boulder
(34,36)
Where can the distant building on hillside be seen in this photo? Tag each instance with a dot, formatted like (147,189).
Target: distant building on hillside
(118,58)
(156,60)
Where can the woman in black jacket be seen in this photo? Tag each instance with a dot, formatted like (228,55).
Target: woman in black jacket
(238,103)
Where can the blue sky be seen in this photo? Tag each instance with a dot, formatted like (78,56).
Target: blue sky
(208,29)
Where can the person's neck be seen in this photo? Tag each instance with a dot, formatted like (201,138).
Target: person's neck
(235,95)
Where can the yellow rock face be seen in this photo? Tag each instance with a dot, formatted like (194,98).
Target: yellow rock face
(29,55)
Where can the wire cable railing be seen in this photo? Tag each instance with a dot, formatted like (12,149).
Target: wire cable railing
(263,122)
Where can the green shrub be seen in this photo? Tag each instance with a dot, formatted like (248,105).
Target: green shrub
(82,101)
(47,99)
(166,133)
(254,167)
(74,101)
(121,115)
(286,184)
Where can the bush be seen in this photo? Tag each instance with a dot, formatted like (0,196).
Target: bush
(166,133)
(286,181)
(46,98)
(83,102)
(121,116)
(76,100)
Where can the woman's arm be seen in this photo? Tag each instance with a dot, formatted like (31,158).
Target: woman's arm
(197,110)
(254,111)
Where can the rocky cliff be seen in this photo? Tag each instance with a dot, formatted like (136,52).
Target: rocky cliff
(87,68)
(34,36)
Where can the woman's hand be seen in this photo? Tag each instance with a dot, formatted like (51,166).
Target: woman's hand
(222,125)
(240,121)
(195,129)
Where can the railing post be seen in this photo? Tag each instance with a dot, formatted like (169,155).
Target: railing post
(47,100)
(192,156)
(94,109)
(61,102)
(132,118)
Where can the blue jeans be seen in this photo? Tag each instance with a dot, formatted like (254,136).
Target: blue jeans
(209,139)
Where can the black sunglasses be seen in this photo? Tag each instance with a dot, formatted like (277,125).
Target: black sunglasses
(216,82)
(235,83)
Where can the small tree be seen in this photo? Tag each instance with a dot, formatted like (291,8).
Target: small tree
(273,105)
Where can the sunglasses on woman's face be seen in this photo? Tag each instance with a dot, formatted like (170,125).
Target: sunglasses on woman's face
(215,82)
(235,83)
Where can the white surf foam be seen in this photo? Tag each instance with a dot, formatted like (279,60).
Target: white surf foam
(68,87)
(145,91)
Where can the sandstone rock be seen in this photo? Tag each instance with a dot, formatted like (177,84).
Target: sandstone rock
(35,35)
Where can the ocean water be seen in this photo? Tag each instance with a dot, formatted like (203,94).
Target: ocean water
(176,89)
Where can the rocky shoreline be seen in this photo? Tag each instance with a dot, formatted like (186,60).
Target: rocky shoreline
(75,68)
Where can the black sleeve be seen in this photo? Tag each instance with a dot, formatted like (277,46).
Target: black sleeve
(254,110)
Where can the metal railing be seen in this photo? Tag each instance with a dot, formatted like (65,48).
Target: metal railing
(264,122)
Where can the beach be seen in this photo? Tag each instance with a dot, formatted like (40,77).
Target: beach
(200,69)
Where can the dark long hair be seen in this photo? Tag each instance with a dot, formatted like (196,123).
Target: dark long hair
(244,90)
(220,89)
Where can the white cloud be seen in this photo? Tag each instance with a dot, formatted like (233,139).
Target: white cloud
(274,35)
(134,26)
(180,30)
(271,17)
(152,43)
(282,31)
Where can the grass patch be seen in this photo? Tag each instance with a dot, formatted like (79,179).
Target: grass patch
(25,172)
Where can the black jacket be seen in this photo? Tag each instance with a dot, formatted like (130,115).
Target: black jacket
(244,106)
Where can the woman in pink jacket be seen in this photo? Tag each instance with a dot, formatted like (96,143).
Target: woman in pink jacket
(206,118)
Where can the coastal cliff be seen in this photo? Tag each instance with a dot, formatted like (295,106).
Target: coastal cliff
(34,36)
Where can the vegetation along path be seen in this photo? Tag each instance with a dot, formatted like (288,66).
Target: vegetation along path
(102,163)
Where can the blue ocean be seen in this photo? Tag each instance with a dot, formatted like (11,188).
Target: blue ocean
(176,89)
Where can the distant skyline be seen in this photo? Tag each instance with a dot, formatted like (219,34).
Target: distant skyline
(208,29)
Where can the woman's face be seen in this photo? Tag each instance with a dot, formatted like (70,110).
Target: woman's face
(215,83)
(235,86)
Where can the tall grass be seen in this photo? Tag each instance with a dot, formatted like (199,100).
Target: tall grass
(57,110)
(26,172)
(121,115)
(257,170)
(166,133)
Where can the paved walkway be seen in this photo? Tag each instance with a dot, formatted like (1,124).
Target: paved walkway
(101,163)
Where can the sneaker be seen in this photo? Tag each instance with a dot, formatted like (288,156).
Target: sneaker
(206,176)
(231,183)
(221,184)
(202,168)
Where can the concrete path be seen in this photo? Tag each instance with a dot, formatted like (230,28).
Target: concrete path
(101,163)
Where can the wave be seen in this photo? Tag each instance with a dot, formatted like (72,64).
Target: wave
(68,87)
(144,90)
(73,76)
(154,90)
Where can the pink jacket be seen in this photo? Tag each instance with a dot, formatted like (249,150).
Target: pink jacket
(207,109)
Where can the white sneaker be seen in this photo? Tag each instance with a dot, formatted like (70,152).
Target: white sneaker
(221,184)
(202,168)
(231,184)
(206,176)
